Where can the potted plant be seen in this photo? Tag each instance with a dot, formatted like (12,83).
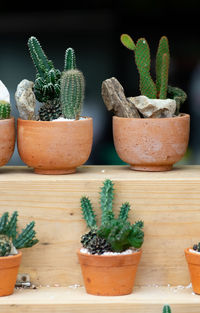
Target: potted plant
(56,140)
(192,255)
(10,257)
(149,132)
(110,252)
(7,126)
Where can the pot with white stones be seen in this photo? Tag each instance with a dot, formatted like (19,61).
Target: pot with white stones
(192,256)
(56,139)
(110,252)
(149,132)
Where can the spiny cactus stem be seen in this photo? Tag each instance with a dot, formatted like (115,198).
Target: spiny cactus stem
(70,60)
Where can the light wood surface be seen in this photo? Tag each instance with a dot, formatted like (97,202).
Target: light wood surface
(168,202)
(76,300)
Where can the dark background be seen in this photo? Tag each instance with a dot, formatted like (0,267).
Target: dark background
(93,29)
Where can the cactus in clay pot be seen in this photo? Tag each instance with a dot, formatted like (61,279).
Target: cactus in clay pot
(149,88)
(10,239)
(118,233)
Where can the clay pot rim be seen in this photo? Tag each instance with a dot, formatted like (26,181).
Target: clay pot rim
(183,115)
(7,119)
(190,252)
(8,257)
(86,118)
(109,256)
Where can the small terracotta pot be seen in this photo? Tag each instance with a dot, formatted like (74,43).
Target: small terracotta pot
(106,275)
(151,144)
(193,260)
(54,147)
(7,140)
(9,266)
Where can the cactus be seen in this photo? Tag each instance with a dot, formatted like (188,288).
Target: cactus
(70,60)
(4,110)
(148,88)
(5,245)
(8,232)
(118,233)
(50,111)
(72,93)
(47,83)
(196,247)
(166,309)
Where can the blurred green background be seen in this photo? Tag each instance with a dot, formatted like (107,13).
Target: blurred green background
(93,29)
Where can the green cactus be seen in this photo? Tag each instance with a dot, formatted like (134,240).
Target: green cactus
(72,93)
(5,245)
(148,88)
(118,232)
(47,83)
(8,228)
(166,309)
(4,110)
(162,66)
(178,95)
(70,60)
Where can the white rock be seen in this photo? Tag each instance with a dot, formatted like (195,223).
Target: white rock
(154,107)
(25,99)
(4,93)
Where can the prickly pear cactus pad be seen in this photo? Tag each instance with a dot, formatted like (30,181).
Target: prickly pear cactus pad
(4,102)
(115,234)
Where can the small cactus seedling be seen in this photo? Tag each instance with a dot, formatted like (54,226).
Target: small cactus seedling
(10,239)
(166,309)
(118,233)
(148,88)
(196,247)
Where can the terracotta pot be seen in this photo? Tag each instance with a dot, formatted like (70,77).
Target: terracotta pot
(193,260)
(7,140)
(151,144)
(9,266)
(54,147)
(106,275)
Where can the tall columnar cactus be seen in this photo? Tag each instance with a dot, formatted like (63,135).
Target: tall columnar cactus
(70,60)
(118,232)
(4,110)
(148,88)
(72,93)
(47,83)
(166,309)
(9,236)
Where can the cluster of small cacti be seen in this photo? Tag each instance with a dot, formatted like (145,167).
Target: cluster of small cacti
(60,93)
(196,247)
(11,239)
(118,233)
(94,243)
(148,87)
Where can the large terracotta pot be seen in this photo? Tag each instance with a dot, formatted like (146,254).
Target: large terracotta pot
(55,147)
(151,144)
(193,260)
(7,140)
(9,266)
(107,275)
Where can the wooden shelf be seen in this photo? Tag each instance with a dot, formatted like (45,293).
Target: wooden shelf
(169,204)
(70,299)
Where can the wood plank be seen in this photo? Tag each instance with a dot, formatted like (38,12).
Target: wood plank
(71,299)
(168,202)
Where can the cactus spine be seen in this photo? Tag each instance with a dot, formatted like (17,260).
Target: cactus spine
(4,110)
(72,93)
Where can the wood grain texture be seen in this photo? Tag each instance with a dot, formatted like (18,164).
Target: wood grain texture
(67,300)
(168,202)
